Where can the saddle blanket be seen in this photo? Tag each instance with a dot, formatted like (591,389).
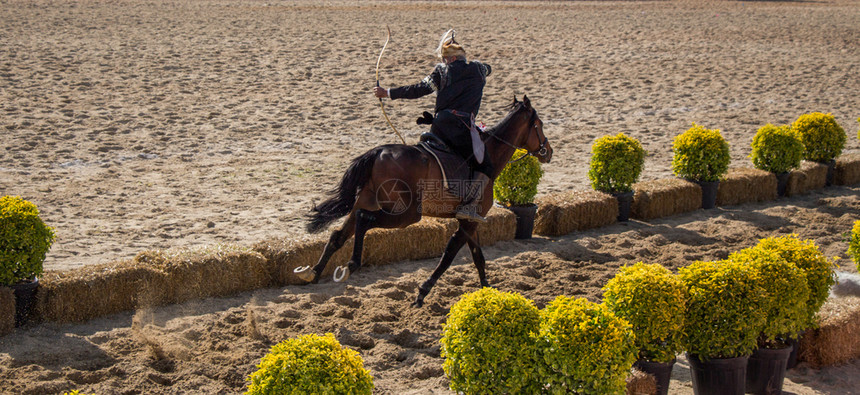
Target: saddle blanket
(456,174)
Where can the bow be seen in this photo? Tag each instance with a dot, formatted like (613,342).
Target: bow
(377,84)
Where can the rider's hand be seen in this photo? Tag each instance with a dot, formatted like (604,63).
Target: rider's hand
(380,92)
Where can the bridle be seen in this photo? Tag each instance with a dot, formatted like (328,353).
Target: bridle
(541,151)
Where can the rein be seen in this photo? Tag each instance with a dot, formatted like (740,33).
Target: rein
(541,149)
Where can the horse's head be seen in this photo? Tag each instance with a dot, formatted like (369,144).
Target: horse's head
(534,141)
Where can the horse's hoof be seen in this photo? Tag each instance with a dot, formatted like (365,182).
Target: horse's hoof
(305,274)
(341,274)
(418,303)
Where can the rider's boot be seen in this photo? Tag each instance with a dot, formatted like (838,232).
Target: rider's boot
(471,208)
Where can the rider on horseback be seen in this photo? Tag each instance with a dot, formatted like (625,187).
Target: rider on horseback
(459,87)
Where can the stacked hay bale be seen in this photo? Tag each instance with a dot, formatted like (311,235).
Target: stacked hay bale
(562,213)
(283,255)
(665,197)
(810,176)
(847,171)
(7,310)
(425,239)
(501,225)
(196,273)
(93,291)
(641,383)
(835,341)
(744,185)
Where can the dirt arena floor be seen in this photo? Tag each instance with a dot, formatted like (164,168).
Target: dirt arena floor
(150,125)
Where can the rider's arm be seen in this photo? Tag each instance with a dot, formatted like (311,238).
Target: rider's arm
(427,86)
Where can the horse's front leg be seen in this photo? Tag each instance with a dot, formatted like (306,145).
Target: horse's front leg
(364,221)
(477,254)
(335,242)
(454,244)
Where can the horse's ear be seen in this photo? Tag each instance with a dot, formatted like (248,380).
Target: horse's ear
(526,101)
(515,99)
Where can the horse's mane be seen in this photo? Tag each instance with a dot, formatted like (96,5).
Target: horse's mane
(513,108)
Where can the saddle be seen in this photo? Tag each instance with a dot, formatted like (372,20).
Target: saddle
(456,173)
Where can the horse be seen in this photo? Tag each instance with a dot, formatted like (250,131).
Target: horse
(371,194)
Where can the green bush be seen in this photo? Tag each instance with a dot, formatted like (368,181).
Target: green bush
(652,300)
(700,154)
(822,137)
(311,364)
(724,316)
(517,184)
(616,163)
(786,291)
(584,348)
(487,344)
(776,149)
(820,273)
(24,240)
(854,244)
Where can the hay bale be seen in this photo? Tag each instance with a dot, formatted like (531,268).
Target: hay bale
(847,171)
(93,291)
(810,176)
(7,311)
(283,255)
(745,185)
(835,341)
(203,272)
(641,383)
(425,239)
(562,213)
(665,197)
(501,226)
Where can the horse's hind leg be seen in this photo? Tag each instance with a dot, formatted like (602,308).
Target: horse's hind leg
(335,242)
(456,242)
(364,221)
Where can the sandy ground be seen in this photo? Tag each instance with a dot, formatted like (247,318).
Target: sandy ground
(141,125)
(210,346)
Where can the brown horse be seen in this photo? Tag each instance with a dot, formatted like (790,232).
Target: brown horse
(377,192)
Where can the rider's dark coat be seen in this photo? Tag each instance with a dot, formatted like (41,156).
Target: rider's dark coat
(459,87)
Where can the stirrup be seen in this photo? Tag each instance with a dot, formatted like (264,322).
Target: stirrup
(470,215)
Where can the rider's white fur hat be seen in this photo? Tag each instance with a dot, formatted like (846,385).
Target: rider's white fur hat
(449,47)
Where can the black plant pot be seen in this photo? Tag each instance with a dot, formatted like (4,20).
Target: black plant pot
(662,372)
(25,299)
(831,166)
(781,183)
(525,220)
(795,348)
(718,376)
(709,193)
(625,203)
(766,371)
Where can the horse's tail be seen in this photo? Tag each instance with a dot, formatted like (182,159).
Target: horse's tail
(343,196)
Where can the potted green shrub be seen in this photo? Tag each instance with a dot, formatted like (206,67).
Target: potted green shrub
(515,189)
(701,156)
(487,343)
(722,323)
(24,243)
(854,244)
(310,364)
(786,294)
(652,300)
(823,139)
(777,149)
(583,348)
(616,163)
